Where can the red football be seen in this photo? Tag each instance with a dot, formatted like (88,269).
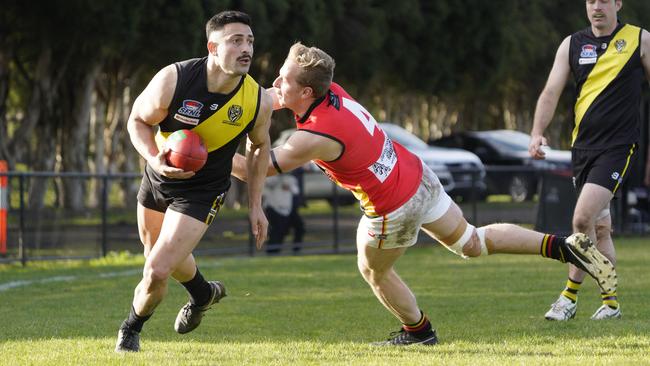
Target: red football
(186,150)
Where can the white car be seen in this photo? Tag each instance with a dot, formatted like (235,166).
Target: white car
(467,170)
(318,186)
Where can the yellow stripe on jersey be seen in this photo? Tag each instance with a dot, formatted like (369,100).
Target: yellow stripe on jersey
(366,204)
(608,66)
(229,120)
(627,164)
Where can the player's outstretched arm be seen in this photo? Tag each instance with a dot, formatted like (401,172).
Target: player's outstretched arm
(256,166)
(549,98)
(300,148)
(149,109)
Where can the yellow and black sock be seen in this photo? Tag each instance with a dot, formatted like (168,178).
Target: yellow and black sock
(571,290)
(419,329)
(551,247)
(610,299)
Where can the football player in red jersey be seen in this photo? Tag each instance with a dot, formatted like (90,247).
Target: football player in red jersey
(399,195)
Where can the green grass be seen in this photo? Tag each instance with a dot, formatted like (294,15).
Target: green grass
(317,310)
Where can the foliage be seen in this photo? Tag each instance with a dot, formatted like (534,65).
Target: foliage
(69,71)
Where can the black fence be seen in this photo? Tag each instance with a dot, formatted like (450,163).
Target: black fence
(39,227)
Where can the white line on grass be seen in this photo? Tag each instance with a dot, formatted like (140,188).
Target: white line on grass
(22,283)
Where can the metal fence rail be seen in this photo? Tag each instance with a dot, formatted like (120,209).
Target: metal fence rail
(108,224)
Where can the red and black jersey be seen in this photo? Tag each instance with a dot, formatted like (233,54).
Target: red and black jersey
(381,174)
(609,75)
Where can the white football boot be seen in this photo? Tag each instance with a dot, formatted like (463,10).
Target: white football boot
(605,312)
(562,309)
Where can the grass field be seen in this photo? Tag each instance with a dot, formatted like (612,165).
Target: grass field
(317,310)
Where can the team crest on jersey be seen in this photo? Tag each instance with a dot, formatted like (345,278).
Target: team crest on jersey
(588,54)
(234,114)
(620,45)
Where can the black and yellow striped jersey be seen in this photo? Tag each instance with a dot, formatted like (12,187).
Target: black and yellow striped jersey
(609,76)
(220,119)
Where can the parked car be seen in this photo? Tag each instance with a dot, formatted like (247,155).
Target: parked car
(510,169)
(467,170)
(318,186)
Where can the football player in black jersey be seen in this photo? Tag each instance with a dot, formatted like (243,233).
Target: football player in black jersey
(609,61)
(215,97)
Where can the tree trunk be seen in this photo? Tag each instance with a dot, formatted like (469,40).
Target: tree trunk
(97,123)
(74,147)
(4,93)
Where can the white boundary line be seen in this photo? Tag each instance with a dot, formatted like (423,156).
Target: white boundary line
(23,283)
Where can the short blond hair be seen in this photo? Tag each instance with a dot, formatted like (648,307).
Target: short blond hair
(316,67)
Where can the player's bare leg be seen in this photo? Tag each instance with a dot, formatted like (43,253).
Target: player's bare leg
(178,236)
(591,216)
(453,231)
(498,238)
(376,267)
(592,201)
(149,225)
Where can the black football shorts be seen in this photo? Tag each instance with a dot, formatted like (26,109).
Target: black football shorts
(200,204)
(607,168)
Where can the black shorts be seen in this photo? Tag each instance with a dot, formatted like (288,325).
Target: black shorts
(202,205)
(607,168)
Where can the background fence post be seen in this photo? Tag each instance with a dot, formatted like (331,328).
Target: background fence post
(104,214)
(4,205)
(21,232)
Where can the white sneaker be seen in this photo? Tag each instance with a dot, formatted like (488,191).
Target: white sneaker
(562,309)
(605,312)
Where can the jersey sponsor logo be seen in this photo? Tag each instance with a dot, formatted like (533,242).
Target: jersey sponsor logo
(191,108)
(620,45)
(588,51)
(386,162)
(234,114)
(615,175)
(187,120)
(214,107)
(588,55)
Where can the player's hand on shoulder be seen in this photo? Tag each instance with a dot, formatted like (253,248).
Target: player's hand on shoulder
(537,146)
(159,164)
